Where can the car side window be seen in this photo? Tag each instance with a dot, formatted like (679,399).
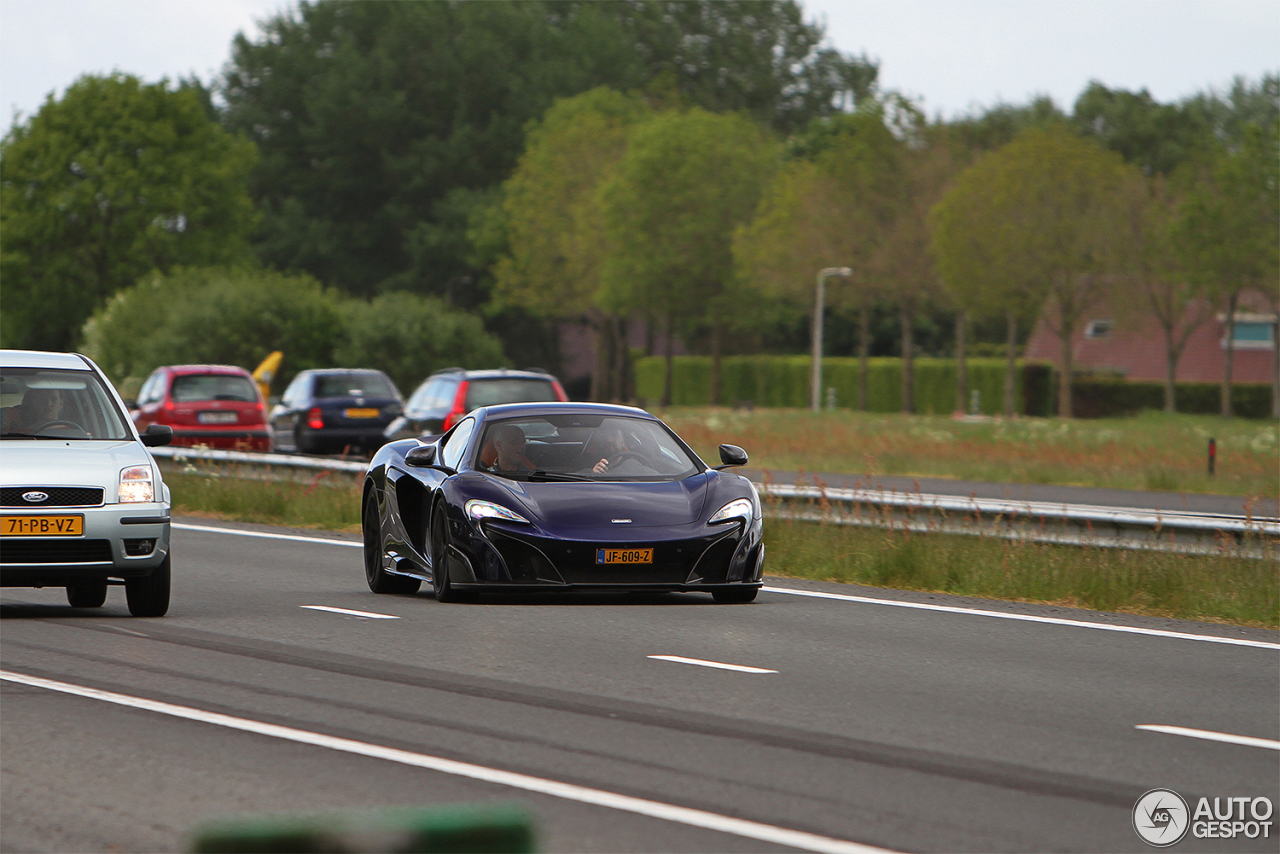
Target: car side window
(151,390)
(294,392)
(456,444)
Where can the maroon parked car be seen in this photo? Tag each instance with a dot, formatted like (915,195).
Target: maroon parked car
(214,405)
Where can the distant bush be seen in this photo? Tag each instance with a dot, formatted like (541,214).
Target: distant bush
(409,336)
(220,316)
(239,316)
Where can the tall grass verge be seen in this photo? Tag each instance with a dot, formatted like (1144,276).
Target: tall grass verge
(323,501)
(1148,451)
(1217,588)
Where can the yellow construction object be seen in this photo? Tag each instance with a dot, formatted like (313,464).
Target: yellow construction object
(266,372)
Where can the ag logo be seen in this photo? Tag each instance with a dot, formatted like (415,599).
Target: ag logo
(1161,818)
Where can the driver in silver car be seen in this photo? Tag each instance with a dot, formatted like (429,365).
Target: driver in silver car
(39,407)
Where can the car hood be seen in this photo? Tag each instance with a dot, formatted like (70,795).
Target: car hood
(562,506)
(58,462)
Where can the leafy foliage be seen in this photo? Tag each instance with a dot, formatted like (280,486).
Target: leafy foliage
(408,336)
(117,179)
(238,316)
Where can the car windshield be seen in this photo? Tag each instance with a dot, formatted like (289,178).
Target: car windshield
(583,447)
(37,403)
(354,385)
(190,387)
(508,390)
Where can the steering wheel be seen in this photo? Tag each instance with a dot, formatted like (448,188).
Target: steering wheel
(60,423)
(630,455)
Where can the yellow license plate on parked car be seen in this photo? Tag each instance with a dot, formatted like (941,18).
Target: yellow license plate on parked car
(41,526)
(361,413)
(624,555)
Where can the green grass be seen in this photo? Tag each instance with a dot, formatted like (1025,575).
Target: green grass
(328,502)
(1215,588)
(1152,451)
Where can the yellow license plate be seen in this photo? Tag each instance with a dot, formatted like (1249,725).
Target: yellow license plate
(41,526)
(361,413)
(624,555)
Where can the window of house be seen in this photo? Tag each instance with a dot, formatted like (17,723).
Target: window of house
(1252,334)
(1099,328)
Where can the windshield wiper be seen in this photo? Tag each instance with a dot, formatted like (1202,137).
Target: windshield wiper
(541,475)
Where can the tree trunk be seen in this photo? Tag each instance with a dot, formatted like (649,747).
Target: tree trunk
(962,374)
(669,360)
(1064,379)
(600,370)
(1011,363)
(1170,375)
(717,329)
(908,359)
(864,350)
(1275,364)
(620,359)
(1230,324)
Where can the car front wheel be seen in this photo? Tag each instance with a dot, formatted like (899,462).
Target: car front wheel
(439,558)
(149,596)
(378,579)
(87,594)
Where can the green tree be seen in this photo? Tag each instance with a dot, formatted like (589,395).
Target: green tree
(382,124)
(1043,214)
(686,181)
(113,181)
(1161,288)
(217,315)
(1155,137)
(1227,230)
(827,207)
(553,221)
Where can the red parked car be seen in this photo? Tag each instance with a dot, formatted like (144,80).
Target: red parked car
(214,405)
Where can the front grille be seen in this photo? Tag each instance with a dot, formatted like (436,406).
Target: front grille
(575,563)
(59,496)
(20,550)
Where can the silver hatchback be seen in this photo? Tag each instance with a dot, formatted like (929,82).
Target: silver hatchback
(82,502)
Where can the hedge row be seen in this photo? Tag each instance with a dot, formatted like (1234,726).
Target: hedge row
(783,381)
(1102,398)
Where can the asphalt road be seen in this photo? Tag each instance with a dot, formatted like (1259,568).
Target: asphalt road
(910,722)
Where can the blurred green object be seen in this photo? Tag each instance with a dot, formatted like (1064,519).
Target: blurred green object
(500,829)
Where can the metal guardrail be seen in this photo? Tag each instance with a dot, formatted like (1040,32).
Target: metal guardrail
(1072,524)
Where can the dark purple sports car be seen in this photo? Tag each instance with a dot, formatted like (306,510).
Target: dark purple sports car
(559,496)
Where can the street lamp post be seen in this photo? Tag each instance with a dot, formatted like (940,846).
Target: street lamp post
(815,393)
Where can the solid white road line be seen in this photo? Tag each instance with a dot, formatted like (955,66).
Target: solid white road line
(567,791)
(844,597)
(182,526)
(350,613)
(1210,735)
(1030,618)
(741,668)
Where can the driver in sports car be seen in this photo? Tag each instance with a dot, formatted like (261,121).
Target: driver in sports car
(39,407)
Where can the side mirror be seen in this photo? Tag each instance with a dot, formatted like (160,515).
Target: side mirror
(423,457)
(732,455)
(156,435)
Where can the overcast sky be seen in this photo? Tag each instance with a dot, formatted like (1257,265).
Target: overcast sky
(954,56)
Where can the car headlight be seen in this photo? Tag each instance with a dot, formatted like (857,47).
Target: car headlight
(477,510)
(136,485)
(739,509)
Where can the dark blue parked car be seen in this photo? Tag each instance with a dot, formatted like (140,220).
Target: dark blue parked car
(335,410)
(559,496)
